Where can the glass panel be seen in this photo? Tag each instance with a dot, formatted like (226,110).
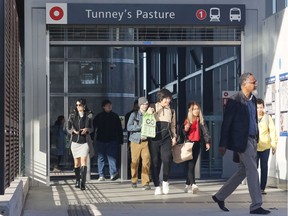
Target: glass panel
(84,76)
(56,52)
(56,77)
(60,154)
(77,52)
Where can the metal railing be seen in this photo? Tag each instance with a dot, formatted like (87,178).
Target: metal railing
(142,33)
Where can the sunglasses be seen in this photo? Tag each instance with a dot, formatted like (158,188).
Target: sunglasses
(79,105)
(254,82)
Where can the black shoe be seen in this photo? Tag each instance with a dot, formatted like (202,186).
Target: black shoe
(263,192)
(260,210)
(114,177)
(134,185)
(221,204)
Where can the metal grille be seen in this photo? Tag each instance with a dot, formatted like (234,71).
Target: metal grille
(142,33)
(10,98)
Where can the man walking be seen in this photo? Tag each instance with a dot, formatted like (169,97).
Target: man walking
(239,133)
(109,137)
(139,146)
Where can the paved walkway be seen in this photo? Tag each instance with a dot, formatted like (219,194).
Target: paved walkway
(118,198)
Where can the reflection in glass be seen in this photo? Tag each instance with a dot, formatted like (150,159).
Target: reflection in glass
(56,77)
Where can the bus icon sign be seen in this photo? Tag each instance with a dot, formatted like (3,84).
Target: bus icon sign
(235,14)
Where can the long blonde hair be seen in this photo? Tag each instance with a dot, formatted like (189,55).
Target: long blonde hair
(191,104)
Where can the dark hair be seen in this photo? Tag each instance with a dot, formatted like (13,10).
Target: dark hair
(59,120)
(105,102)
(163,93)
(260,101)
(83,102)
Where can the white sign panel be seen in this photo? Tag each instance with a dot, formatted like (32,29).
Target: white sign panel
(56,13)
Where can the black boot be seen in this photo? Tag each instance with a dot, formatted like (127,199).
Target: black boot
(83,177)
(77,174)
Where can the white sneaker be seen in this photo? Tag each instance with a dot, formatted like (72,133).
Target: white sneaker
(194,188)
(187,189)
(101,178)
(165,188)
(158,191)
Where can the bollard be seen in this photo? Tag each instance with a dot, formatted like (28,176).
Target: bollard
(124,160)
(88,175)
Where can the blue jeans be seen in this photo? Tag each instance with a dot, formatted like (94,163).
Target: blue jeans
(263,156)
(109,150)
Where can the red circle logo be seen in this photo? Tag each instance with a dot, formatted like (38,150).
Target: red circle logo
(201,14)
(56,13)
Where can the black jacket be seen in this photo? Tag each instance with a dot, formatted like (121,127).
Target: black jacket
(235,125)
(109,127)
(77,123)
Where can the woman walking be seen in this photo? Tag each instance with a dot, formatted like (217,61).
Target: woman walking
(196,131)
(80,127)
(267,139)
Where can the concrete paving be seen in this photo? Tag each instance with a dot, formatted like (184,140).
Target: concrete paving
(118,198)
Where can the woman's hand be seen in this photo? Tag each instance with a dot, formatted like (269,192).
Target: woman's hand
(84,131)
(174,142)
(207,146)
(187,126)
(75,132)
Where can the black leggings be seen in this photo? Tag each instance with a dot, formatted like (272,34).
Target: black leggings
(190,165)
(160,152)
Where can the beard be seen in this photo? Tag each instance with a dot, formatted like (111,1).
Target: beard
(255,92)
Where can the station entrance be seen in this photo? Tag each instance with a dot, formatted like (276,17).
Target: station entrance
(122,63)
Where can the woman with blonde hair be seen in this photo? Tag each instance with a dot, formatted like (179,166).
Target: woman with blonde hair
(195,131)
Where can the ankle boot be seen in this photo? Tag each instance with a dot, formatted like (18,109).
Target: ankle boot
(83,177)
(77,174)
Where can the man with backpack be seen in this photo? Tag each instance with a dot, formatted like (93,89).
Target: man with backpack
(139,146)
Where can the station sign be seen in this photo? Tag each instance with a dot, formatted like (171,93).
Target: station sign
(145,14)
(226,95)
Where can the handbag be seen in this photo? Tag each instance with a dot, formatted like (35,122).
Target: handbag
(182,152)
(148,128)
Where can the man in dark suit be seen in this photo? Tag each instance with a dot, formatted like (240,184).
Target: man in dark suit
(239,133)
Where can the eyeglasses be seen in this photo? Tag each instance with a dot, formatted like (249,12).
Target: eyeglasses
(79,105)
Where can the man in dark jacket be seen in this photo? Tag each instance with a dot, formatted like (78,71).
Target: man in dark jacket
(109,137)
(239,133)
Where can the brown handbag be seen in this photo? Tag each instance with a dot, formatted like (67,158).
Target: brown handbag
(182,152)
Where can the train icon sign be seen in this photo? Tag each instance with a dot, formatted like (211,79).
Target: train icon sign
(56,13)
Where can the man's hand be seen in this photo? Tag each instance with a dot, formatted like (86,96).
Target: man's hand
(222,150)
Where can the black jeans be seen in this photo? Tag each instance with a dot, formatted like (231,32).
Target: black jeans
(263,157)
(190,165)
(160,152)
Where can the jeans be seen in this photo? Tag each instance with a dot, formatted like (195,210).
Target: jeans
(109,150)
(263,156)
